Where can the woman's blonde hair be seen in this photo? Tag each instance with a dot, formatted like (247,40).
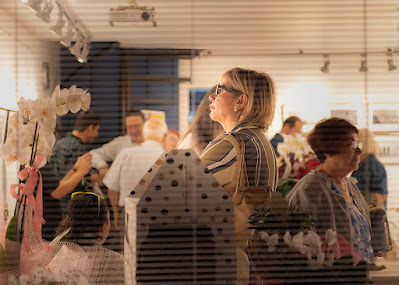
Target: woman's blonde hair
(261,92)
(367,139)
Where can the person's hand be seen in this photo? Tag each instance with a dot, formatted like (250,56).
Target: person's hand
(83,164)
(94,177)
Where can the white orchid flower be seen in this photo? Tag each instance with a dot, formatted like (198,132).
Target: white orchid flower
(60,100)
(331,237)
(287,239)
(25,106)
(313,241)
(46,141)
(297,241)
(9,151)
(86,100)
(16,147)
(271,241)
(16,120)
(43,111)
(72,90)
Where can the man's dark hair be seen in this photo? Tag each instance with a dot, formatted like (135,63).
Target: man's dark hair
(134,111)
(86,119)
(290,121)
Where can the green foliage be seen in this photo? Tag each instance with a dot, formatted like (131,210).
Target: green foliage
(11,233)
(285,185)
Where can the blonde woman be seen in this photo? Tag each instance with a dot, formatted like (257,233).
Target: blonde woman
(371,175)
(243,103)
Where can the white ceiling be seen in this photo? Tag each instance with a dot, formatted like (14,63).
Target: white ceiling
(238,27)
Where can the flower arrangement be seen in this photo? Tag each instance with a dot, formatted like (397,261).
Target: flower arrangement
(31,128)
(285,248)
(30,137)
(295,159)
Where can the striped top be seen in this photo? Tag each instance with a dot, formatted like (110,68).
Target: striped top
(220,156)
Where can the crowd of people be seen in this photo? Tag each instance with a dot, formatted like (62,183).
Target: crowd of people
(228,133)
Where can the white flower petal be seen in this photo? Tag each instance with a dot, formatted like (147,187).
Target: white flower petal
(331,237)
(72,90)
(86,100)
(264,236)
(313,240)
(74,103)
(287,238)
(320,257)
(297,240)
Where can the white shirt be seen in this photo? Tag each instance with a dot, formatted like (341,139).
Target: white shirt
(109,151)
(130,166)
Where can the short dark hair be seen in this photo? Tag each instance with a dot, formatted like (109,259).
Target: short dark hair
(135,111)
(329,136)
(86,119)
(85,216)
(290,121)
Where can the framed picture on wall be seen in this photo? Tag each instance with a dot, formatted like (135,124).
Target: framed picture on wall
(196,95)
(384,116)
(352,112)
(308,120)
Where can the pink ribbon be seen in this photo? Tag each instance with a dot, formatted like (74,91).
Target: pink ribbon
(32,176)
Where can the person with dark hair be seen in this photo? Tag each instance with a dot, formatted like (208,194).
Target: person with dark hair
(83,231)
(202,129)
(68,149)
(134,121)
(291,126)
(333,199)
(54,189)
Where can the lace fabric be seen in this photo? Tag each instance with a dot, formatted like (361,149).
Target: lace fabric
(101,265)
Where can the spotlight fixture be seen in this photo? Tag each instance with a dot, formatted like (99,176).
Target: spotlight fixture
(363,63)
(82,58)
(45,13)
(76,49)
(391,66)
(33,4)
(57,28)
(326,61)
(67,38)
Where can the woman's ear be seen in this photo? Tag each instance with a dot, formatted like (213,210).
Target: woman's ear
(242,101)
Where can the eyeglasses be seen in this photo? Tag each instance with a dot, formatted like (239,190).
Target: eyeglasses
(231,90)
(89,193)
(356,144)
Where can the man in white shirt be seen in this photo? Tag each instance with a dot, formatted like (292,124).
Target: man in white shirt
(131,165)
(134,121)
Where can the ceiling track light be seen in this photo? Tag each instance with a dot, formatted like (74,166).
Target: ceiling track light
(76,49)
(67,38)
(57,28)
(45,13)
(66,14)
(326,61)
(363,63)
(82,58)
(391,66)
(34,5)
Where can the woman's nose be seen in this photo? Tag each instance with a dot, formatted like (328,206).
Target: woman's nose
(212,97)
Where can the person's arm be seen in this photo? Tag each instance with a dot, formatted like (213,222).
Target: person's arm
(73,177)
(114,199)
(107,152)
(112,182)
